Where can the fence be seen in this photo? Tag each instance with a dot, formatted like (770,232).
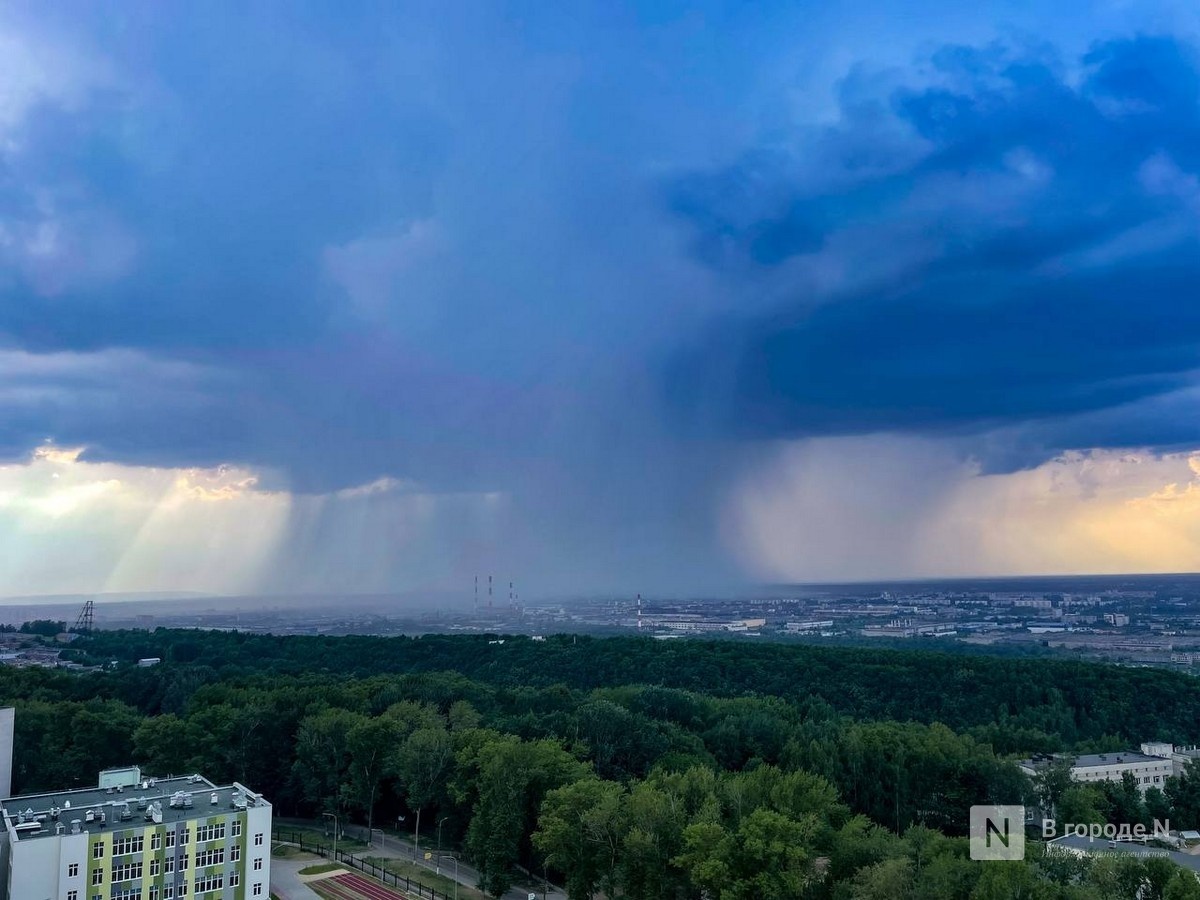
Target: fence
(401,882)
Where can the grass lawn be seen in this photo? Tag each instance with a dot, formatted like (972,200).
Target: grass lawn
(424,876)
(315,833)
(321,867)
(285,851)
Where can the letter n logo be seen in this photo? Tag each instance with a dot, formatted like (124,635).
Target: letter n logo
(997,832)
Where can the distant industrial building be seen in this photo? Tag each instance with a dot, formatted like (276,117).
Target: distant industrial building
(136,838)
(695,624)
(803,627)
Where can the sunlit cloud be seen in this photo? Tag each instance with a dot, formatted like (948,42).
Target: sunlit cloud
(882,506)
(69,525)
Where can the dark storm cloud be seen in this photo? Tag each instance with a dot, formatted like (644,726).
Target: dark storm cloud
(1046,257)
(342,245)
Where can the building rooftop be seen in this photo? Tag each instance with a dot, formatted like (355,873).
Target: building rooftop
(1102,847)
(1118,758)
(165,800)
(1112,759)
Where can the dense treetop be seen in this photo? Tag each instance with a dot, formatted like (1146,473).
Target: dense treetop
(632,767)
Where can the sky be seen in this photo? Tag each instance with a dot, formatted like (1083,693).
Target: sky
(597,297)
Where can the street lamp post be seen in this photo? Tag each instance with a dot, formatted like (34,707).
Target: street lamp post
(439,852)
(417,837)
(455,858)
(335,832)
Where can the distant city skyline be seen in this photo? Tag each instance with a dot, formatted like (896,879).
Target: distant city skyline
(615,297)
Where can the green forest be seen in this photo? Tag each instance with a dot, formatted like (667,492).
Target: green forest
(632,768)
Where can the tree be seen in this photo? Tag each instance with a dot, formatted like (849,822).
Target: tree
(1183,886)
(462,716)
(323,756)
(891,879)
(1005,881)
(1157,806)
(371,745)
(1082,804)
(43,627)
(1183,791)
(422,764)
(1125,800)
(1050,784)
(168,745)
(579,834)
(509,777)
(768,857)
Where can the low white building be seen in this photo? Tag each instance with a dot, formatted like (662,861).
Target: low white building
(1180,756)
(1091,768)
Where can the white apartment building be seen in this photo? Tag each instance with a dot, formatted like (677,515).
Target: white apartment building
(137,838)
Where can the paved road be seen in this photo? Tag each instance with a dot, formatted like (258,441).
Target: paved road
(286,883)
(394,847)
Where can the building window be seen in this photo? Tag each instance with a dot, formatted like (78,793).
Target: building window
(213,857)
(168,892)
(156,841)
(170,838)
(98,850)
(121,846)
(185,835)
(258,838)
(126,871)
(73,870)
(72,895)
(183,863)
(257,889)
(169,865)
(235,853)
(97,876)
(237,828)
(209,883)
(210,832)
(258,864)
(235,878)
(155,865)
